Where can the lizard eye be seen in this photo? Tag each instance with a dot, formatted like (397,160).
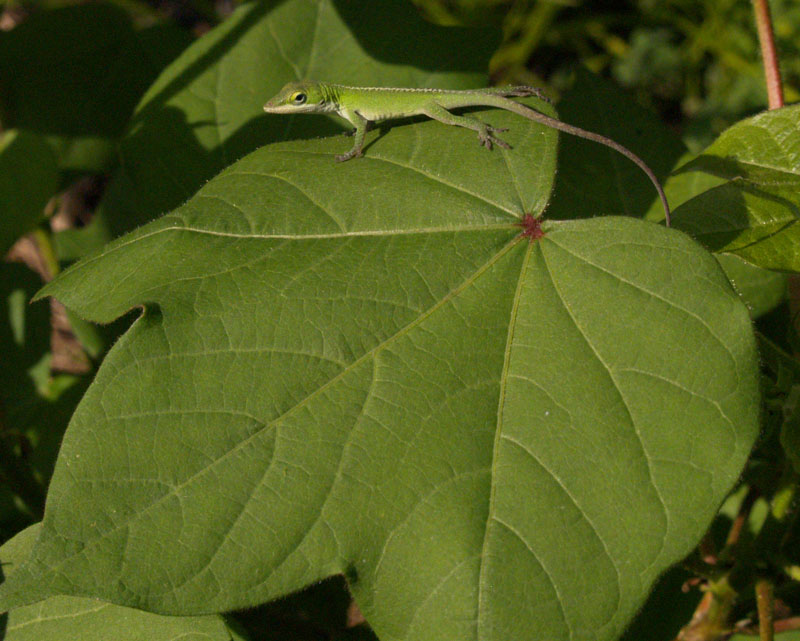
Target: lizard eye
(299,98)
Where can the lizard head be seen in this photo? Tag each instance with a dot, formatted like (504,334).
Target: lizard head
(298,97)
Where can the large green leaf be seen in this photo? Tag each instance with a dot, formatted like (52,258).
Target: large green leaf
(206,110)
(366,369)
(754,215)
(28,179)
(76,619)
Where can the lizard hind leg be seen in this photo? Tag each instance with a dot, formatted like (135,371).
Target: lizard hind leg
(486,133)
(519,91)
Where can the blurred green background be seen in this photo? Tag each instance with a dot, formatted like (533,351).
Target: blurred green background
(695,62)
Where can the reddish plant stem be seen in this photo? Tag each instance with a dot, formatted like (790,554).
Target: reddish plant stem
(772,71)
(738,523)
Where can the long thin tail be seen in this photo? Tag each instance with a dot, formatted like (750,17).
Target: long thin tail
(498,100)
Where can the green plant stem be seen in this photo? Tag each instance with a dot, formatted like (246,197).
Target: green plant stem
(765,603)
(769,53)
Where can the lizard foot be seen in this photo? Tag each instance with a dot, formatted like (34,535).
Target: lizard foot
(487,138)
(353,153)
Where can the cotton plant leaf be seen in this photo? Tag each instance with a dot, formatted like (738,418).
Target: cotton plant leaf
(757,149)
(587,170)
(64,618)
(205,111)
(754,214)
(385,369)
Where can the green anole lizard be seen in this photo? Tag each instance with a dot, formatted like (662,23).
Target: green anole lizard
(364,105)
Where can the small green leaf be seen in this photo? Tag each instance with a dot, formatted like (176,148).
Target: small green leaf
(760,289)
(365,369)
(76,619)
(28,179)
(755,214)
(756,222)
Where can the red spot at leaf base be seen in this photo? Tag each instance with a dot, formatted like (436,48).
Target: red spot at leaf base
(531,227)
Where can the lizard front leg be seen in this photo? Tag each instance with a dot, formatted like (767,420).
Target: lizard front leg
(485,132)
(360,123)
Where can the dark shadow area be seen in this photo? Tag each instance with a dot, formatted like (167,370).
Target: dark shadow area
(79,71)
(25,337)
(666,610)
(33,421)
(594,180)
(318,613)
(394,32)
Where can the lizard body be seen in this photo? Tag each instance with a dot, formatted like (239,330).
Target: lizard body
(364,105)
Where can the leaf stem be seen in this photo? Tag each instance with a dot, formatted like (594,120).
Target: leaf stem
(769,53)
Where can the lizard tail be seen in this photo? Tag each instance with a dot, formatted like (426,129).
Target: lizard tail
(498,100)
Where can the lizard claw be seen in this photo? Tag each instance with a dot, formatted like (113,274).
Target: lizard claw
(353,153)
(487,138)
